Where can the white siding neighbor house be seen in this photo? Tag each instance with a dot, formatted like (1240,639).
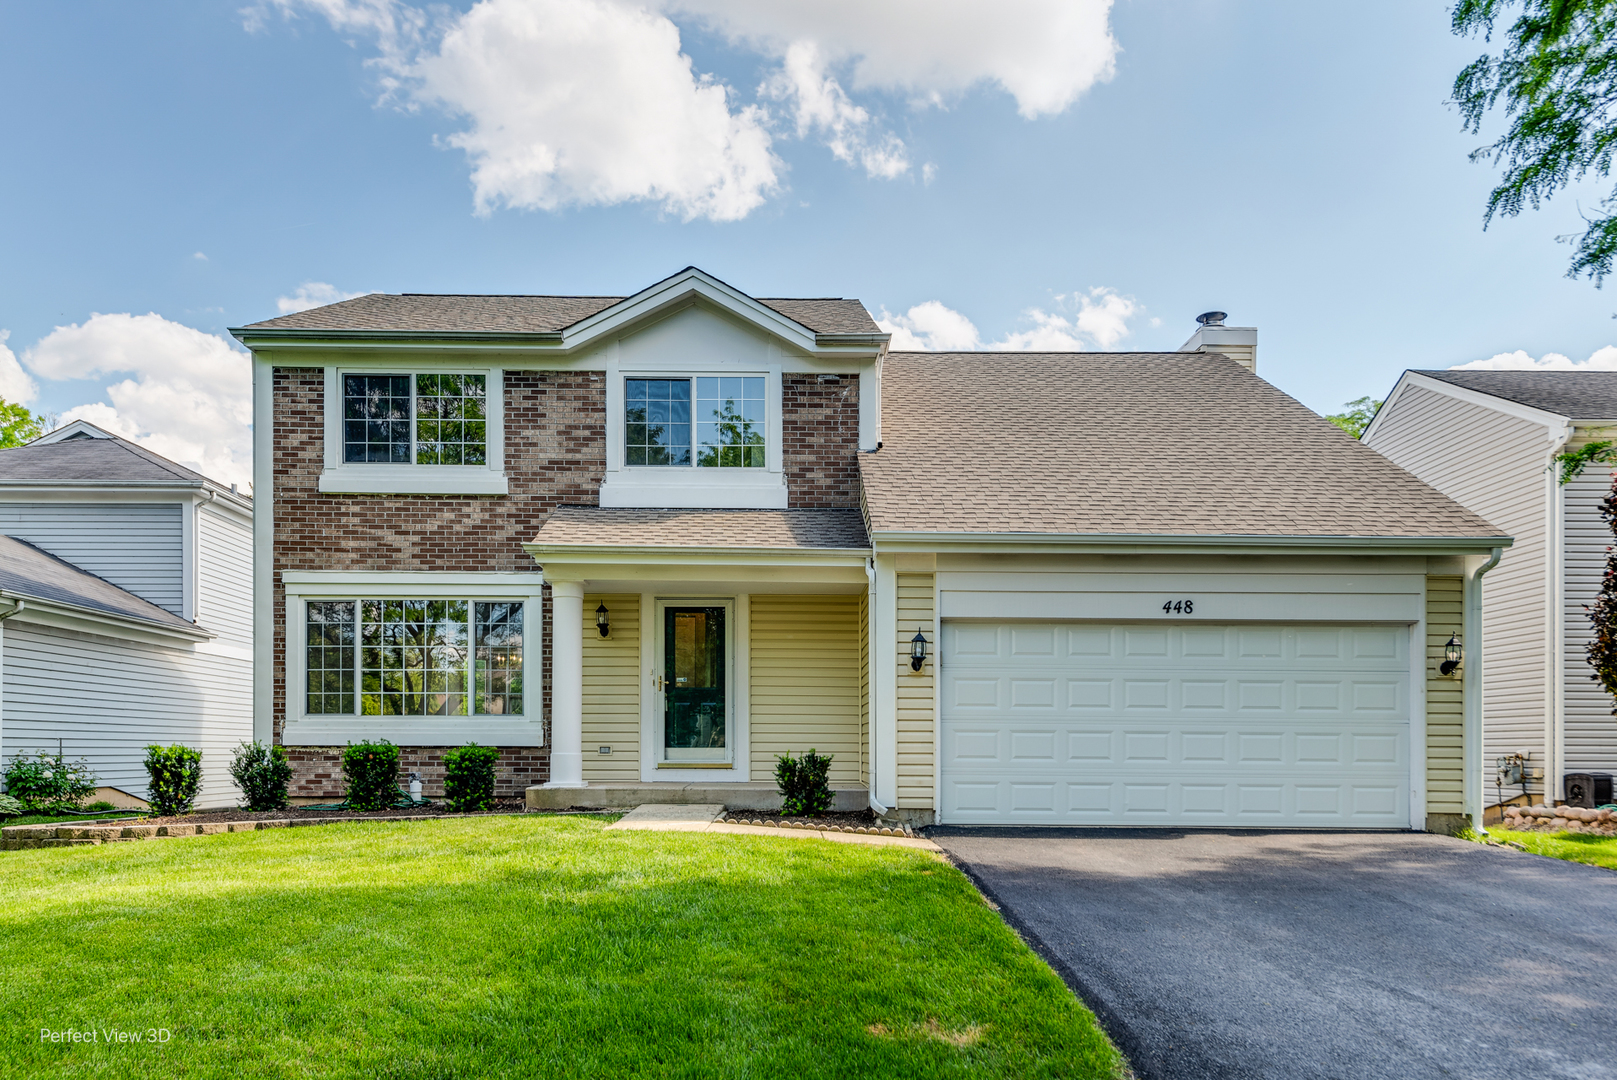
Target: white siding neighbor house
(644,544)
(125,609)
(1487,439)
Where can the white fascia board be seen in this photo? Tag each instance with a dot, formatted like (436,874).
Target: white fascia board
(132,491)
(308,582)
(619,557)
(87,620)
(413,730)
(676,290)
(1127,544)
(412,480)
(1557,423)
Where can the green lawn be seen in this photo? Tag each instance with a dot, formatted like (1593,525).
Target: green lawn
(521,947)
(1574,847)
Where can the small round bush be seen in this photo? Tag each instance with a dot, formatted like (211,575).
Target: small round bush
(262,772)
(469,777)
(174,773)
(371,770)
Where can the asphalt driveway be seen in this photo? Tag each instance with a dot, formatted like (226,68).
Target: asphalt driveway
(1343,955)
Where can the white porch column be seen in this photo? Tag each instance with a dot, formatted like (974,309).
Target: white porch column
(566,684)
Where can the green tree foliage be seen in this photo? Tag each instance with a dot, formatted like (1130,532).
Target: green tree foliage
(18,425)
(1355,415)
(1602,648)
(1556,77)
(1573,462)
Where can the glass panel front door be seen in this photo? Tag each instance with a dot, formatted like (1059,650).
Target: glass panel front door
(695,719)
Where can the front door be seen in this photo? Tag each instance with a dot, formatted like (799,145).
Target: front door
(696,725)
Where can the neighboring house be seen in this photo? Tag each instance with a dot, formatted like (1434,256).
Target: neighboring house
(647,544)
(1487,440)
(126,595)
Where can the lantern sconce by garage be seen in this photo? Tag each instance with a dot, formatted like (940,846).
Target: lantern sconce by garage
(601,622)
(918,645)
(1453,654)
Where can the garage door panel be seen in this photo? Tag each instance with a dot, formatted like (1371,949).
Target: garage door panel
(1202,725)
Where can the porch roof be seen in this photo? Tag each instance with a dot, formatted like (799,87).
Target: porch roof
(595,527)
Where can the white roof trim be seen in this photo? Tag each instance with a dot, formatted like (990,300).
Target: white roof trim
(1554,421)
(683,286)
(77,429)
(88,620)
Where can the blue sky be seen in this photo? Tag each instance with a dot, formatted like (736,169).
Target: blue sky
(1292,164)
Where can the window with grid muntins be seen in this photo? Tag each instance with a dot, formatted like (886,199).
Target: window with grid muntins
(708,421)
(331,657)
(427,419)
(404,657)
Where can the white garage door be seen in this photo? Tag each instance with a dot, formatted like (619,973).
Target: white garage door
(1079,724)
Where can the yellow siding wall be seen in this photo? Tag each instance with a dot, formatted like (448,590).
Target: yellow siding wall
(864,688)
(1445,719)
(612,690)
(916,700)
(805,682)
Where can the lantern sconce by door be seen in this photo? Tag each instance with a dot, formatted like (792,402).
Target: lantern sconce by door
(601,622)
(918,645)
(1453,656)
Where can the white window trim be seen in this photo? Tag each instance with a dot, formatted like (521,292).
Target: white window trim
(386,478)
(692,486)
(324,729)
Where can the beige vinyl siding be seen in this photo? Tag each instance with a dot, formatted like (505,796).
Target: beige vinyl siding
(612,690)
(804,682)
(864,688)
(917,701)
(1591,730)
(1445,703)
(1493,464)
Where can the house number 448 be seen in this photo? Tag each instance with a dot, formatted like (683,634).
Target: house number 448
(1179,607)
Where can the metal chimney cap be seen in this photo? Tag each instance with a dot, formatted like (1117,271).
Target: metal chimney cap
(1212,318)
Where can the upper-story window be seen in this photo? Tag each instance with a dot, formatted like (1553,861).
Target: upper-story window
(708,421)
(426,419)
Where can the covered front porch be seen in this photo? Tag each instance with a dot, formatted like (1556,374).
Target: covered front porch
(690,648)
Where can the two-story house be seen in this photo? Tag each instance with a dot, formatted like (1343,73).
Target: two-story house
(125,609)
(645,544)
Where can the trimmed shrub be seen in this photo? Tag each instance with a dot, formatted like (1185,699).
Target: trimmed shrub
(262,772)
(48,783)
(371,770)
(173,775)
(469,777)
(804,783)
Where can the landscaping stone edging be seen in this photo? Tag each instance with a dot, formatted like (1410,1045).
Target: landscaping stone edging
(770,823)
(1560,819)
(56,834)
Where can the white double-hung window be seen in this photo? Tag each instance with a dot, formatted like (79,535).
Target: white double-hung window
(414,432)
(423,659)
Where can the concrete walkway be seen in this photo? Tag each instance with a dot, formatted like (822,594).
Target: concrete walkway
(703,817)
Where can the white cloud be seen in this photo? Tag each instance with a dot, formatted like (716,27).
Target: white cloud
(929,173)
(1100,322)
(591,102)
(312,294)
(15,385)
(187,395)
(198,256)
(1600,360)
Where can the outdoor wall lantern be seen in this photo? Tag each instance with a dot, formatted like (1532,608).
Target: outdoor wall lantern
(917,651)
(1453,653)
(601,622)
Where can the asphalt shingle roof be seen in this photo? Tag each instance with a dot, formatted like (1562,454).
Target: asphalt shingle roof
(1577,395)
(107,460)
(460,314)
(27,571)
(590,526)
(1128,443)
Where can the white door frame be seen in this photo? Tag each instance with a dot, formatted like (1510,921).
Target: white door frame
(652,651)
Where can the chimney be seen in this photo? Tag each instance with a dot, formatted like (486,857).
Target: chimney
(1239,343)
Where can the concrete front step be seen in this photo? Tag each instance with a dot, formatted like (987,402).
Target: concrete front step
(758,795)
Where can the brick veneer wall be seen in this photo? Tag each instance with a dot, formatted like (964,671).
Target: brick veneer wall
(555,454)
(820,437)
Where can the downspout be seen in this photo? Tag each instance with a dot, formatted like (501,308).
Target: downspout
(1471,688)
(21,604)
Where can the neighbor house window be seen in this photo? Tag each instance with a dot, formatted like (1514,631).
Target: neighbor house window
(707,421)
(404,657)
(438,419)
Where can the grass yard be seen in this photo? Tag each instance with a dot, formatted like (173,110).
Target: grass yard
(521,947)
(1573,847)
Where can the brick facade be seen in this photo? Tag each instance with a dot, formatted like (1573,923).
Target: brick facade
(820,437)
(555,454)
